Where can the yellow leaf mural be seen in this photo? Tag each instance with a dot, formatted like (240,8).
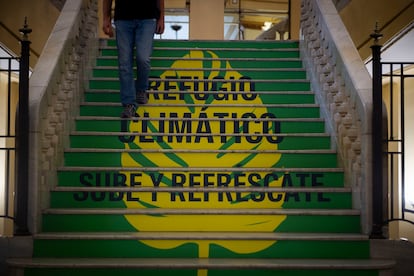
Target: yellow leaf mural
(204,107)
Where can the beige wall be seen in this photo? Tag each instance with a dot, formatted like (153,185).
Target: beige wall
(295,12)
(6,225)
(360,17)
(207,19)
(41,16)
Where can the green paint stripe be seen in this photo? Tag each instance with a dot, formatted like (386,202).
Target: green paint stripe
(304,249)
(114,223)
(293,272)
(301,143)
(296,179)
(115,200)
(274,98)
(119,271)
(136,249)
(112,159)
(285,127)
(313,160)
(107,248)
(294,85)
(321,224)
(278,112)
(96,141)
(229,53)
(192,272)
(226,44)
(258,75)
(102,141)
(235,64)
(218,44)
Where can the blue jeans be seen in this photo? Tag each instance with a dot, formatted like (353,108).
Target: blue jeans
(130,34)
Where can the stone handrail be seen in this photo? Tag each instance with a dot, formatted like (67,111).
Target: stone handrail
(343,88)
(56,87)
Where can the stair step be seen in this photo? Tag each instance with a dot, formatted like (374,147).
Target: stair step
(203,189)
(216,52)
(204,263)
(106,80)
(203,105)
(102,68)
(236,63)
(212,211)
(216,47)
(154,109)
(165,235)
(302,180)
(216,43)
(95,221)
(85,139)
(286,125)
(187,92)
(199,150)
(254,73)
(105,158)
(282,97)
(210,84)
(200,169)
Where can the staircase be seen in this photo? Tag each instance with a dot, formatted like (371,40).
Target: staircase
(227,170)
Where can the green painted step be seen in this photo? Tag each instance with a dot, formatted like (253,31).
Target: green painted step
(292,200)
(114,124)
(235,64)
(194,272)
(215,52)
(209,85)
(192,267)
(277,111)
(298,223)
(256,74)
(137,249)
(118,140)
(105,158)
(68,177)
(275,98)
(216,43)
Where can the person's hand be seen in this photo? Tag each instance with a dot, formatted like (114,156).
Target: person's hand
(160,26)
(107,27)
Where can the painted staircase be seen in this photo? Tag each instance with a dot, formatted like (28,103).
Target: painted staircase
(227,170)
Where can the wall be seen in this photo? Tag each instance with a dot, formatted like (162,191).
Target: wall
(41,16)
(207,19)
(360,17)
(7,162)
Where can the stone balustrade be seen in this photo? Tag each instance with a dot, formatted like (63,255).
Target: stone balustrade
(343,88)
(56,87)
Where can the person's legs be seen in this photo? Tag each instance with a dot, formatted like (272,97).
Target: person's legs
(144,42)
(125,38)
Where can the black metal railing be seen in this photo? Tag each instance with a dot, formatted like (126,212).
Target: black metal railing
(378,206)
(22,138)
(397,72)
(388,141)
(9,70)
(16,139)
